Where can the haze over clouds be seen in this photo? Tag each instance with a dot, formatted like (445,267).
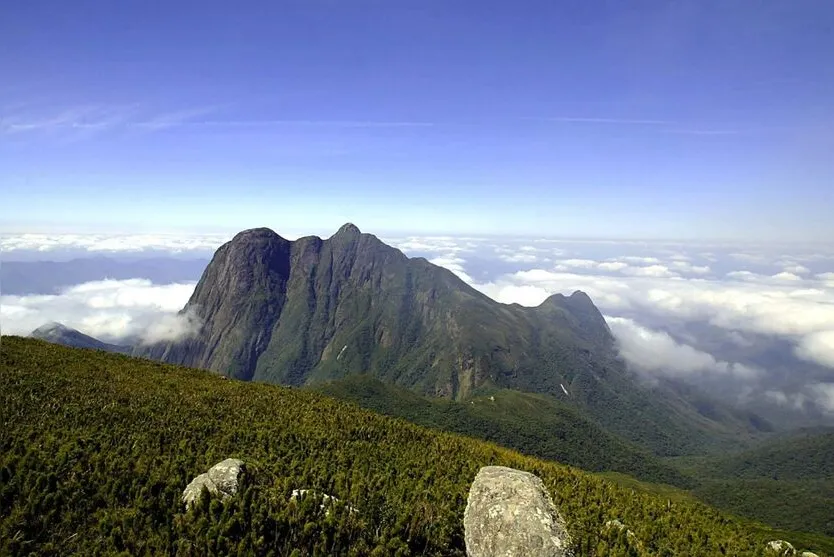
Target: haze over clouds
(115,243)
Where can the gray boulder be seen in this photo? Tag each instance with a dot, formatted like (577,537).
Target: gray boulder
(221,479)
(781,547)
(509,513)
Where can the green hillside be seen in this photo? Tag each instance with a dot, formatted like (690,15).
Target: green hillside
(787,481)
(312,310)
(536,425)
(96,448)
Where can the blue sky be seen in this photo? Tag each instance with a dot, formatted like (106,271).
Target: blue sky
(646,119)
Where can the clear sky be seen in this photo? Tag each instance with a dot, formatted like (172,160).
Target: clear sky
(650,119)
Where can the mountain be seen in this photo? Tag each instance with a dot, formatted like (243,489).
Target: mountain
(98,447)
(61,334)
(315,309)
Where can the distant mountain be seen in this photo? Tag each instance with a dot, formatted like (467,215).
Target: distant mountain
(319,309)
(61,334)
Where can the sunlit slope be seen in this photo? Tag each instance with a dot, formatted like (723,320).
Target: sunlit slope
(96,448)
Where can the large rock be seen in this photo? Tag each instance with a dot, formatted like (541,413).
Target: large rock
(222,479)
(509,513)
(781,547)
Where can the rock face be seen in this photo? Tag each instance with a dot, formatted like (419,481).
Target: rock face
(222,478)
(295,312)
(510,513)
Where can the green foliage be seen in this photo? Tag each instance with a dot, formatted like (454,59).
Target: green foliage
(537,425)
(787,481)
(96,448)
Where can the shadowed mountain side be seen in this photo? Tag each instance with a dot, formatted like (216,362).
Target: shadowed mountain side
(319,309)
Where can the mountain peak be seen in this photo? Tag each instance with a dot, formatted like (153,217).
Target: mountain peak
(580,296)
(255,234)
(348,229)
(53,327)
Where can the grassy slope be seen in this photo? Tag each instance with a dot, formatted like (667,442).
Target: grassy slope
(537,425)
(96,449)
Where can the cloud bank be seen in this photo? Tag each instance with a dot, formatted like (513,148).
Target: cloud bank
(658,353)
(110,310)
(113,243)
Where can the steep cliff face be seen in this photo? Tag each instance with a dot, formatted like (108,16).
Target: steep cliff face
(320,309)
(313,309)
(238,299)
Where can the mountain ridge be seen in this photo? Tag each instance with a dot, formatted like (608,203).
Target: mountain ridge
(311,310)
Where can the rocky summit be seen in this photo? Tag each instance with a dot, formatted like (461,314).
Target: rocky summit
(509,513)
(315,310)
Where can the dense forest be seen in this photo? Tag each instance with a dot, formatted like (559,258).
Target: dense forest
(96,448)
(787,481)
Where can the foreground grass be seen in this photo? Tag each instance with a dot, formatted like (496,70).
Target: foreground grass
(96,448)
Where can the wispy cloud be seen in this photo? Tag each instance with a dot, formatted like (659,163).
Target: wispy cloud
(664,126)
(707,132)
(77,119)
(617,121)
(313,123)
(174,119)
(82,121)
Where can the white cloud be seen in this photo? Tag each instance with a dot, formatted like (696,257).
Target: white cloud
(639,259)
(454,264)
(792,400)
(823,395)
(743,275)
(686,267)
(657,353)
(107,309)
(786,276)
(801,311)
(421,244)
(521,258)
(99,243)
(612,266)
(649,271)
(797,269)
(817,347)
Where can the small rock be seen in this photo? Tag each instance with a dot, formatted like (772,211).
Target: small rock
(510,513)
(781,547)
(808,554)
(221,478)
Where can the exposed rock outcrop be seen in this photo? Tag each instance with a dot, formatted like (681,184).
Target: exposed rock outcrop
(510,513)
(222,479)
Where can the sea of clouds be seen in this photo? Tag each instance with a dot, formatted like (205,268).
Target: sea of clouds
(681,310)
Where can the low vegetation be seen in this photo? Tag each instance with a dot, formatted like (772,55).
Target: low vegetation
(96,448)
